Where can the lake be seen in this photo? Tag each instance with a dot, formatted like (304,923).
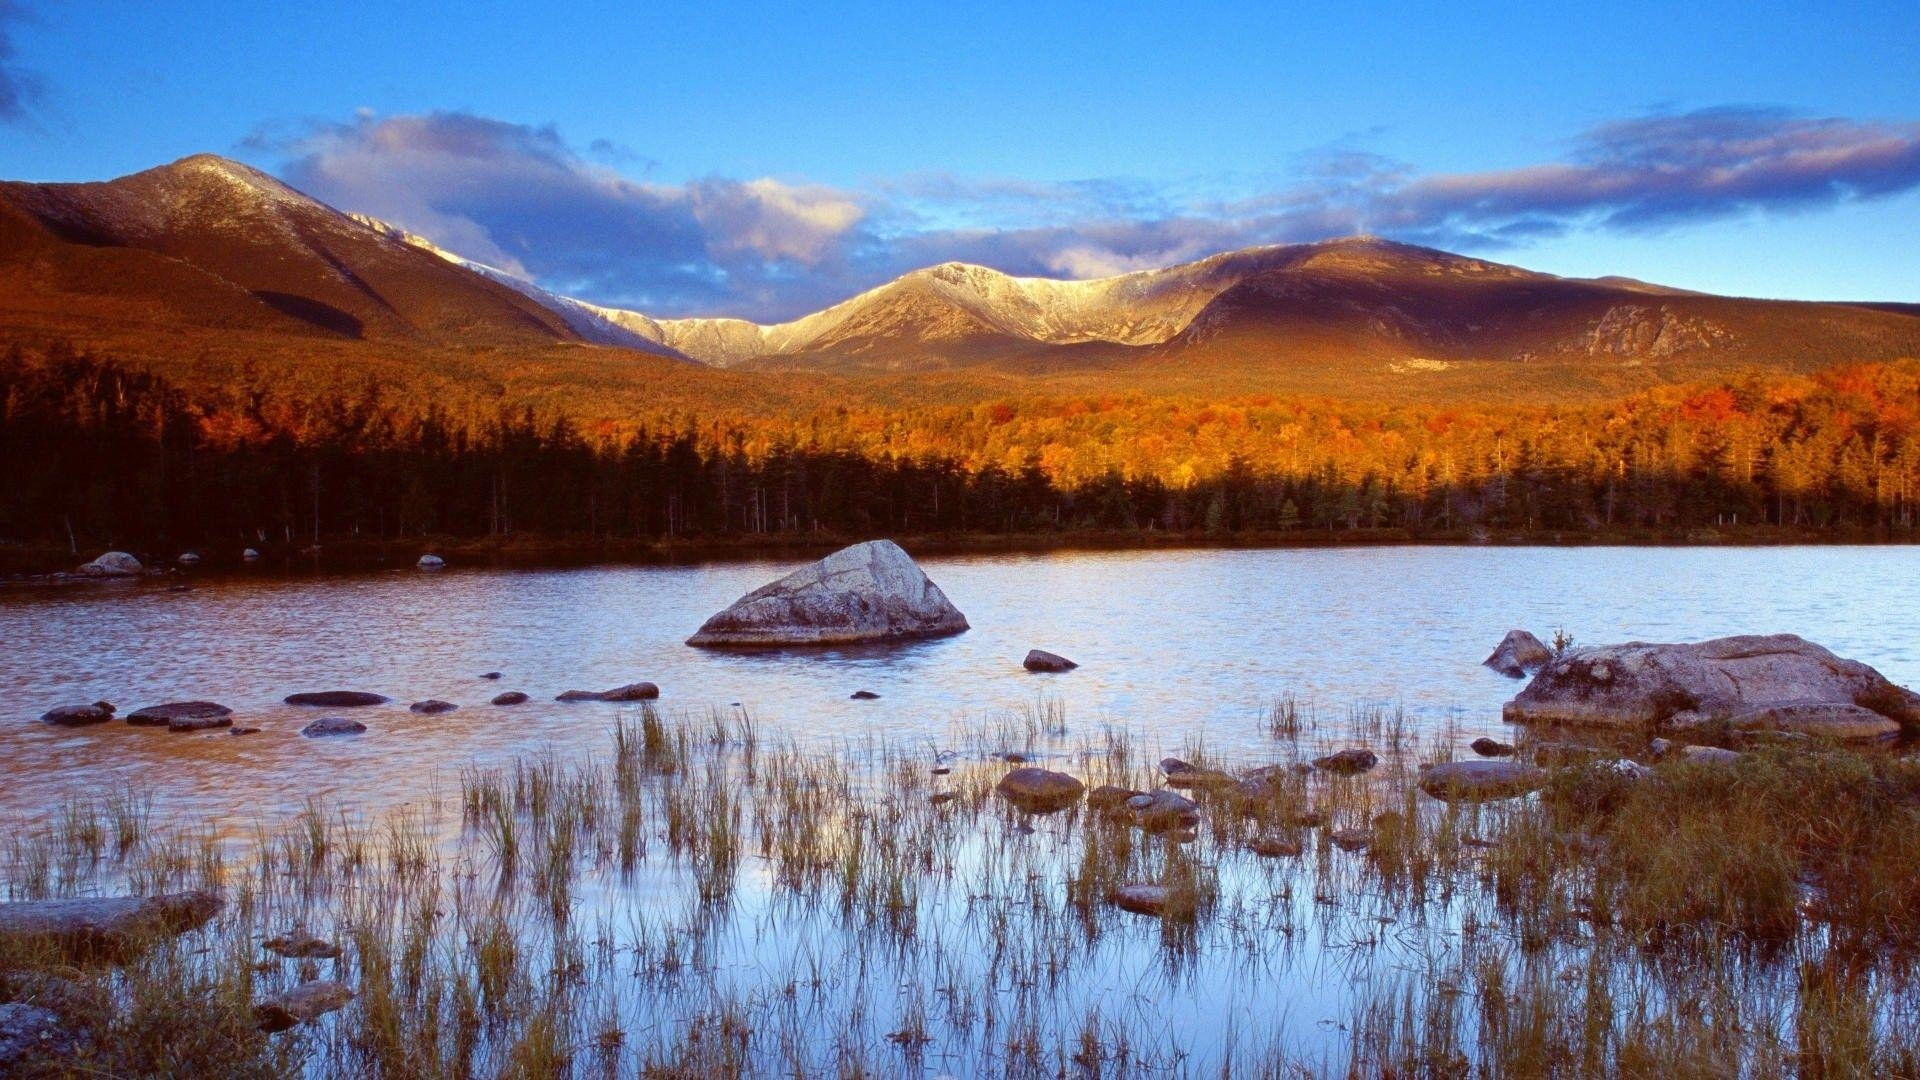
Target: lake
(1177,646)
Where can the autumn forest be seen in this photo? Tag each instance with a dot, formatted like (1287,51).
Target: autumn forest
(106,454)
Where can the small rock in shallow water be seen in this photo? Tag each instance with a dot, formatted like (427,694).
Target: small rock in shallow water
(1110,799)
(864,695)
(183,716)
(1479,781)
(112,564)
(491,675)
(432,707)
(640,691)
(511,697)
(1518,653)
(1182,774)
(1486,747)
(1350,762)
(75,715)
(328,726)
(337,699)
(1274,847)
(1040,791)
(302,1004)
(1163,811)
(244,731)
(1044,661)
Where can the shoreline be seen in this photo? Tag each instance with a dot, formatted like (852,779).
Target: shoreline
(32,564)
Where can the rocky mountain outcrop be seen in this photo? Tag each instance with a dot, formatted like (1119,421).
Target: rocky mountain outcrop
(1775,682)
(871,592)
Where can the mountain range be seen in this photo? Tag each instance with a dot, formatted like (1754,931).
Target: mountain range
(204,252)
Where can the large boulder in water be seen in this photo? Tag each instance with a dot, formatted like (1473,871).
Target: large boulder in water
(1778,681)
(113,564)
(1518,653)
(864,593)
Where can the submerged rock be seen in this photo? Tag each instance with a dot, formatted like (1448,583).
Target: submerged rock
(337,699)
(112,564)
(1780,681)
(301,946)
(1266,782)
(1040,791)
(1044,661)
(511,697)
(864,695)
(76,715)
(1140,898)
(1352,839)
(1349,762)
(329,726)
(1479,781)
(865,593)
(114,928)
(302,1005)
(490,675)
(432,707)
(640,691)
(183,716)
(1486,747)
(1518,653)
(1275,847)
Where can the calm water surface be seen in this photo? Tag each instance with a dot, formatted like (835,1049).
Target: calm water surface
(1176,646)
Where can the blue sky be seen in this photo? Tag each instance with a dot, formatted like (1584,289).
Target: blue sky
(763,160)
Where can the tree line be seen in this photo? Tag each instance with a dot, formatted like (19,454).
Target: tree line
(100,453)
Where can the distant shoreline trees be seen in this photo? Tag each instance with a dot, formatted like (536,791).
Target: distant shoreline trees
(101,453)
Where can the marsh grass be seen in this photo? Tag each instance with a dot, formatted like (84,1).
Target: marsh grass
(701,903)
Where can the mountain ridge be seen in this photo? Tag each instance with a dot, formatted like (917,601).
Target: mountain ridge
(163,257)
